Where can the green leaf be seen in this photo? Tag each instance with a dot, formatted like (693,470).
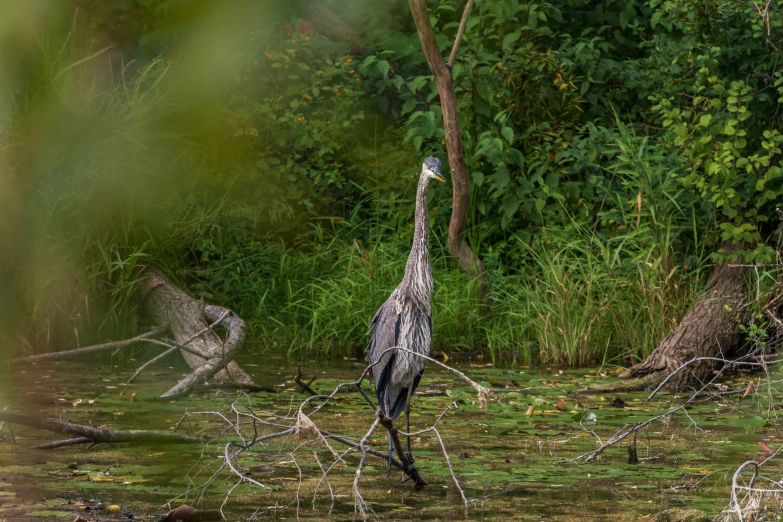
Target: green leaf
(409,105)
(508,133)
(510,204)
(756,421)
(502,177)
(478,178)
(509,40)
(455,72)
(655,19)
(383,67)
(518,158)
(705,120)
(482,107)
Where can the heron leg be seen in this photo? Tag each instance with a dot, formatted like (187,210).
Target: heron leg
(409,455)
(391,448)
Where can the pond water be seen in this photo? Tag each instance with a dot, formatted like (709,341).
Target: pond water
(515,459)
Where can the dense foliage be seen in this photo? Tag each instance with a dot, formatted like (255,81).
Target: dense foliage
(612,146)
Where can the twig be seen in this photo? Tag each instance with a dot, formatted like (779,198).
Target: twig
(762,265)
(460,32)
(408,467)
(361,505)
(305,386)
(733,504)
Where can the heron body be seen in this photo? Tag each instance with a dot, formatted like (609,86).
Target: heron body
(405,319)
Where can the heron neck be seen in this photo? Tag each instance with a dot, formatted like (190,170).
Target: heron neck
(418,273)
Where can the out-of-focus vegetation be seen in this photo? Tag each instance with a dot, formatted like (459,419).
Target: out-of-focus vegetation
(269,166)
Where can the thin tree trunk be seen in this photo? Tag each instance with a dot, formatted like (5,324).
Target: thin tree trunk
(709,329)
(456,242)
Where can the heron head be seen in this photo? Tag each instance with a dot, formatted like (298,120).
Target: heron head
(431,167)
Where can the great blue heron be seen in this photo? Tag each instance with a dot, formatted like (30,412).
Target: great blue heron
(405,320)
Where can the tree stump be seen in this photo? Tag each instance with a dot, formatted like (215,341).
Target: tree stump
(709,329)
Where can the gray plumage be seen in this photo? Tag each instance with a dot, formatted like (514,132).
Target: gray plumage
(405,319)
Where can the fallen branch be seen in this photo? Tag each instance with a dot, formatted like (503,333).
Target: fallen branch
(97,435)
(61,443)
(117,345)
(251,434)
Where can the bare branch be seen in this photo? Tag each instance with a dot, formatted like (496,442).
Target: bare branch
(89,349)
(460,32)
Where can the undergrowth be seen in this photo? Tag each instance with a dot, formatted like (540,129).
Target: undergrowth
(149,179)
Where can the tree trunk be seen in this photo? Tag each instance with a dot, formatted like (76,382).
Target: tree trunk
(186,317)
(456,243)
(709,329)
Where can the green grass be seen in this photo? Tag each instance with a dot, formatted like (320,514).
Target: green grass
(578,301)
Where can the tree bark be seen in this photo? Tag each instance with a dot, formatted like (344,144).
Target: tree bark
(709,329)
(456,243)
(186,317)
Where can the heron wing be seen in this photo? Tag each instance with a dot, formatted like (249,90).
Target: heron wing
(384,332)
(399,403)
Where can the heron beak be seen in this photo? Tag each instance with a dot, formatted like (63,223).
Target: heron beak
(438,175)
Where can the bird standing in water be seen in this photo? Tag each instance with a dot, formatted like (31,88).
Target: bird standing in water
(405,320)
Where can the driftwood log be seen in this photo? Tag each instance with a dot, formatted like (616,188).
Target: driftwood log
(189,321)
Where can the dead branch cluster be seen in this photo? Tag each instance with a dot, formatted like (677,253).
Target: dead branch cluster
(285,440)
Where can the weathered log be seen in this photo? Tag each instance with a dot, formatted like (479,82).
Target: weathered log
(709,329)
(186,317)
(101,435)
